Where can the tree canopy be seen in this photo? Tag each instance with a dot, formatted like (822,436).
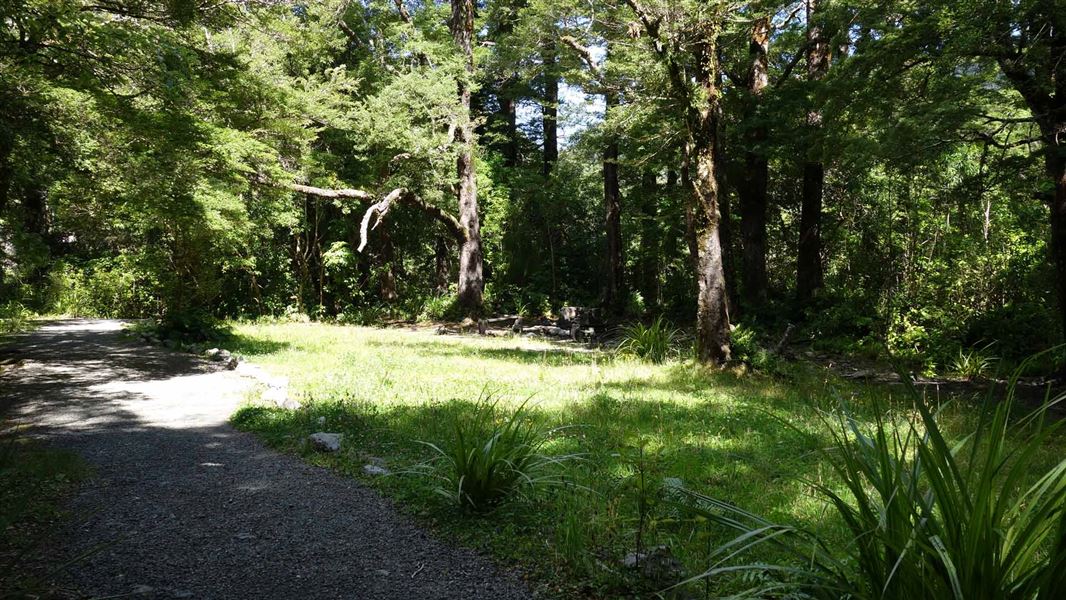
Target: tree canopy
(877,172)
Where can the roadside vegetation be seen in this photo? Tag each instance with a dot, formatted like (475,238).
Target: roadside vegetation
(639,447)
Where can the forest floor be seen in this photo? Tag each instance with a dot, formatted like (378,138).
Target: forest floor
(637,428)
(180,505)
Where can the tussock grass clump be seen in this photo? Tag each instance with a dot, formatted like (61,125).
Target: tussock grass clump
(654,342)
(973,364)
(929,517)
(492,455)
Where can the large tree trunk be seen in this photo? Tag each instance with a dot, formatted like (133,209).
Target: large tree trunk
(701,120)
(471,281)
(712,312)
(809,256)
(712,304)
(550,114)
(753,188)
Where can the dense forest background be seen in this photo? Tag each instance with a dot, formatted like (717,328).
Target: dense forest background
(885,174)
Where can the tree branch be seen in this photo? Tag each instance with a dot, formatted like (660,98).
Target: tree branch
(651,26)
(328,193)
(405,196)
(583,52)
(380,208)
(800,53)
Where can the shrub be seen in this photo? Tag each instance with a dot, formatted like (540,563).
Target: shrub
(491,456)
(1018,330)
(440,308)
(747,349)
(193,326)
(929,517)
(650,342)
(116,287)
(14,317)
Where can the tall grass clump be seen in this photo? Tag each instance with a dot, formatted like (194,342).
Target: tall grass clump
(980,517)
(491,455)
(973,364)
(653,342)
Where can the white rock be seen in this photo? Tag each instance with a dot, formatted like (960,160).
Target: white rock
(375,470)
(326,442)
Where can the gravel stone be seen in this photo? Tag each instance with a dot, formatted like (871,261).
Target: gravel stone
(174,486)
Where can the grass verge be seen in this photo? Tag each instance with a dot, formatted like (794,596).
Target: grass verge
(34,480)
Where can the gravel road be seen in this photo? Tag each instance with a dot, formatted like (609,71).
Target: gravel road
(184,506)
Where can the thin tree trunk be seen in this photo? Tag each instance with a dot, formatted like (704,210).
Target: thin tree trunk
(441,266)
(510,124)
(614,292)
(650,243)
(387,254)
(471,281)
(753,188)
(809,277)
(7,146)
(506,98)
(690,208)
(1055,162)
(550,114)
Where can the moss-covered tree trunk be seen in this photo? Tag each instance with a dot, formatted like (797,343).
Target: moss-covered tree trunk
(712,305)
(471,281)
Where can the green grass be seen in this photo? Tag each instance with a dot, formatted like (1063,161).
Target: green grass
(33,482)
(639,430)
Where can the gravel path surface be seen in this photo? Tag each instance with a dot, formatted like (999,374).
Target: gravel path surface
(183,506)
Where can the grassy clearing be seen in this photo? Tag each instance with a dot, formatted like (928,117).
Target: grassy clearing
(638,428)
(33,481)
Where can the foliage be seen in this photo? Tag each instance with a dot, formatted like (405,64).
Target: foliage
(746,348)
(102,288)
(654,342)
(155,178)
(192,326)
(981,516)
(14,317)
(491,456)
(439,308)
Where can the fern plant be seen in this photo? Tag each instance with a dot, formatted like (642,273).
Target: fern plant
(653,342)
(929,517)
(491,455)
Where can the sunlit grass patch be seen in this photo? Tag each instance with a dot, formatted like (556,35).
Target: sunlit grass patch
(633,426)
